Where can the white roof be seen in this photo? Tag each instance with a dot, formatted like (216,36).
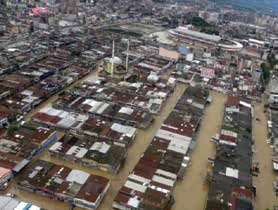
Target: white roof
(67,122)
(102,147)
(153,77)
(90,102)
(166,173)
(27,92)
(55,112)
(77,176)
(139,178)
(171,80)
(81,153)
(126,110)
(159,189)
(197,34)
(55,146)
(232,109)
(78,151)
(29,99)
(102,108)
(135,186)
(275,166)
(162,94)
(229,133)
(7,203)
(134,202)
(162,180)
(230,172)
(63,114)
(34,208)
(245,104)
(179,146)
(256,41)
(170,136)
(46,110)
(227,143)
(127,130)
(155,101)
(21,206)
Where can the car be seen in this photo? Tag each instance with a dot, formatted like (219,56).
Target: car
(4,186)
(11,195)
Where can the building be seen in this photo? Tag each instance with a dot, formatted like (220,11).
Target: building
(151,183)
(231,181)
(273,93)
(62,183)
(5,177)
(8,203)
(192,37)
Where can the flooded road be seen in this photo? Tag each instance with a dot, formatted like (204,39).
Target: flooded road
(264,182)
(141,142)
(193,183)
(191,192)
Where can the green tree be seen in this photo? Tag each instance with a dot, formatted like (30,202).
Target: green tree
(12,127)
(272,60)
(266,71)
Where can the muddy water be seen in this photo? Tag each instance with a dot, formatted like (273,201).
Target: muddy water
(141,142)
(264,182)
(191,192)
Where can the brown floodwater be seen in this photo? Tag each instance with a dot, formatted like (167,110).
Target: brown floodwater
(266,197)
(191,192)
(140,144)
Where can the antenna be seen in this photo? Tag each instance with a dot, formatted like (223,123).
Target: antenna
(127,55)
(113,57)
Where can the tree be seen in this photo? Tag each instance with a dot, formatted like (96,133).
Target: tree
(12,127)
(272,60)
(266,71)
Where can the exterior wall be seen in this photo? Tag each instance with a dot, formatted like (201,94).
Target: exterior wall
(5,178)
(3,121)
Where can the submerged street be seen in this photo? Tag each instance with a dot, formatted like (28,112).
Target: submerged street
(140,144)
(194,183)
(266,197)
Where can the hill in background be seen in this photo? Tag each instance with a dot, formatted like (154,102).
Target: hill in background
(264,5)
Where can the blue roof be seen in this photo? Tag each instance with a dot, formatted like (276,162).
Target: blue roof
(183,49)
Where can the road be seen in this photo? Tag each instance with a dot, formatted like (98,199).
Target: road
(191,192)
(264,182)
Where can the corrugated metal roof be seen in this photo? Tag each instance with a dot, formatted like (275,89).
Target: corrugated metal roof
(162,180)
(78,176)
(198,34)
(135,186)
(127,130)
(7,203)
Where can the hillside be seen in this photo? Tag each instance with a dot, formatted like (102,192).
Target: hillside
(264,5)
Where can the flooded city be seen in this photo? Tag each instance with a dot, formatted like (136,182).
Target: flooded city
(194,182)
(138,105)
(137,149)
